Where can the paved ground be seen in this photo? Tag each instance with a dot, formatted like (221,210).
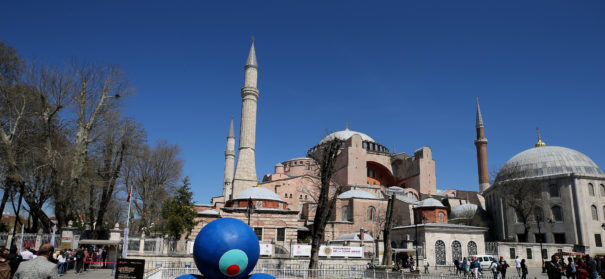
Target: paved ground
(98,273)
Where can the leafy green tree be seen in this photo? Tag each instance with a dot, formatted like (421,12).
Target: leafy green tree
(178,211)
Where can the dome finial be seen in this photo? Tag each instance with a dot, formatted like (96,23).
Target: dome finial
(347,125)
(540,143)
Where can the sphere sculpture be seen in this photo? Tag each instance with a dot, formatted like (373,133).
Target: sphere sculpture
(226,248)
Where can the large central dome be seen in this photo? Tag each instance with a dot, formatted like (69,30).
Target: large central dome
(345,135)
(547,161)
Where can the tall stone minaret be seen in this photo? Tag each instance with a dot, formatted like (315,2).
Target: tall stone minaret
(245,170)
(481,144)
(229,163)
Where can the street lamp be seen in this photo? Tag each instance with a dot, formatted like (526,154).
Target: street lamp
(538,219)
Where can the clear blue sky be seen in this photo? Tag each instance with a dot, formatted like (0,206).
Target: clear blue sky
(405,72)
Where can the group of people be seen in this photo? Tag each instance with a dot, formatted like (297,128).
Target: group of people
(46,263)
(472,267)
(577,268)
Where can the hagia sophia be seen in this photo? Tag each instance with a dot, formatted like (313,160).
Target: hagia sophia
(569,211)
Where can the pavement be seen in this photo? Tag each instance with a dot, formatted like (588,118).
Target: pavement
(93,273)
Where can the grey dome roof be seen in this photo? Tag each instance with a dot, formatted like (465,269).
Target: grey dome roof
(464,211)
(257,193)
(395,189)
(209,212)
(430,202)
(299,158)
(355,237)
(356,194)
(345,135)
(546,161)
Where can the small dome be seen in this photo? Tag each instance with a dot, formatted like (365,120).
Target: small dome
(356,194)
(209,212)
(345,135)
(299,159)
(547,161)
(279,165)
(354,237)
(257,193)
(395,189)
(430,202)
(464,211)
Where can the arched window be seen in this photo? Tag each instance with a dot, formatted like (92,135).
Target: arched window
(345,213)
(440,252)
(557,215)
(441,217)
(456,250)
(602,190)
(604,211)
(595,214)
(539,213)
(591,189)
(472,248)
(371,213)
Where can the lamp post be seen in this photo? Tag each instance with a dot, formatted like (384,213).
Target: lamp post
(416,238)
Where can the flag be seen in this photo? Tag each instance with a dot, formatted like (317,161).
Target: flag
(125,245)
(52,238)
(129,193)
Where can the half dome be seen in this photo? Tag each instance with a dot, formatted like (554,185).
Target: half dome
(547,161)
(257,193)
(360,194)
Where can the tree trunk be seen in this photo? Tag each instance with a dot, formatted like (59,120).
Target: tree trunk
(4,199)
(109,187)
(388,251)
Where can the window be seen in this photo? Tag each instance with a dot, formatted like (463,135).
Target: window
(539,213)
(285,195)
(440,252)
(472,248)
(441,217)
(259,233)
(521,237)
(559,238)
(553,189)
(371,212)
(529,255)
(597,240)
(603,211)
(300,197)
(512,253)
(602,190)
(591,189)
(540,237)
(595,214)
(557,215)
(345,213)
(305,197)
(281,234)
(456,250)
(544,254)
(290,195)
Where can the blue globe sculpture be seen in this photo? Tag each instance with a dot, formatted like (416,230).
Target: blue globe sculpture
(226,248)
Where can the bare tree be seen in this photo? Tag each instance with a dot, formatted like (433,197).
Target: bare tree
(325,156)
(153,174)
(523,197)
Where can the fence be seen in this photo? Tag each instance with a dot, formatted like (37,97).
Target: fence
(166,273)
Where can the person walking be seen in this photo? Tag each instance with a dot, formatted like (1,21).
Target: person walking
(457,266)
(475,267)
(426,266)
(494,267)
(14,259)
(465,266)
(570,271)
(553,270)
(524,271)
(502,266)
(61,263)
(79,260)
(40,267)
(518,265)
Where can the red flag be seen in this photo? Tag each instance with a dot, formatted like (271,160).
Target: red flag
(129,193)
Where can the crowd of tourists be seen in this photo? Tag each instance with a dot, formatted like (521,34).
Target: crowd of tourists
(471,267)
(48,263)
(585,267)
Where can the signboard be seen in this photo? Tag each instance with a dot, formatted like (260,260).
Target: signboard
(328,251)
(266,249)
(341,251)
(130,269)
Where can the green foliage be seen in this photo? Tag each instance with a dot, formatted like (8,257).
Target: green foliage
(178,211)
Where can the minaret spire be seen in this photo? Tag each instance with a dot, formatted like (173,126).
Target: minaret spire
(481,144)
(540,143)
(245,169)
(229,163)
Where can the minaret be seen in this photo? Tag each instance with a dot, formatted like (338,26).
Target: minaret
(481,144)
(229,163)
(245,170)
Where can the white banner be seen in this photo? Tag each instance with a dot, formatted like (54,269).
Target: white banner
(328,251)
(125,245)
(266,249)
